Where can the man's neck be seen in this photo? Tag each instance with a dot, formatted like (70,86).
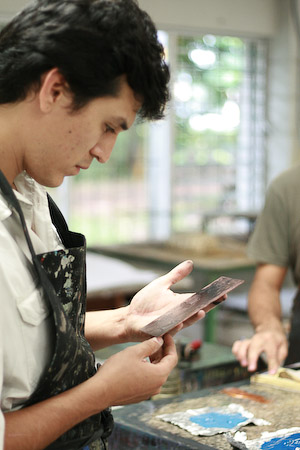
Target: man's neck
(10,139)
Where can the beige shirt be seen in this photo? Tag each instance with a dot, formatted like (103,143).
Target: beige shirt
(25,330)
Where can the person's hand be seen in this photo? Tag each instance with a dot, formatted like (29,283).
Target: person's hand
(270,341)
(155,299)
(131,378)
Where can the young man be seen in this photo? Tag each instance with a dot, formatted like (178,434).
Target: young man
(73,75)
(275,246)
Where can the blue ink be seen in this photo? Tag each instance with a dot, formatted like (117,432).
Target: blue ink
(291,442)
(217,420)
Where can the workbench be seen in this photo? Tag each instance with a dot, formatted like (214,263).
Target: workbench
(137,427)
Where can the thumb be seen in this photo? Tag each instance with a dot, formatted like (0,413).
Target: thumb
(147,348)
(178,273)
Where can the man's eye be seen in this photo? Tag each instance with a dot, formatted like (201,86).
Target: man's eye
(109,129)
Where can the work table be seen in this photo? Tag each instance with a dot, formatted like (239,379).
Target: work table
(136,426)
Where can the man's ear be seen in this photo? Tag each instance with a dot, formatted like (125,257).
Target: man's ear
(52,90)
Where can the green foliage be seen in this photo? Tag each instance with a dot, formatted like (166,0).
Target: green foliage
(219,82)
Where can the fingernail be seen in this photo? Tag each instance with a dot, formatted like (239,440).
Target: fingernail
(159,340)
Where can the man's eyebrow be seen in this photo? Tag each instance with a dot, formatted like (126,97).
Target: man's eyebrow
(122,123)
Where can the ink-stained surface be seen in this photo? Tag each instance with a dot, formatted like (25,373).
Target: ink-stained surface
(209,421)
(240,393)
(137,426)
(206,299)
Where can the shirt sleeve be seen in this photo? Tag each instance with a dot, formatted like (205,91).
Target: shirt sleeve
(269,242)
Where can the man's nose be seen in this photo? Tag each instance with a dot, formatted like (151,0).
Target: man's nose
(103,149)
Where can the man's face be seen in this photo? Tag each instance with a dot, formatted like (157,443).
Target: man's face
(68,142)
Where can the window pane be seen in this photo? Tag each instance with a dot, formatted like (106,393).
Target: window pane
(218,160)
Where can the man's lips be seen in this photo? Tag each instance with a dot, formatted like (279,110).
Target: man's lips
(82,167)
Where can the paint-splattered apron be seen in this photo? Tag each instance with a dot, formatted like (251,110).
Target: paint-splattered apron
(294,335)
(62,276)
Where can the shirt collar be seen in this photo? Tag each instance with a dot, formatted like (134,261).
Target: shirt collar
(25,194)
(5,211)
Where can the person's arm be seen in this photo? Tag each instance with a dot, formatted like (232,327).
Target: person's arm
(103,328)
(124,378)
(265,314)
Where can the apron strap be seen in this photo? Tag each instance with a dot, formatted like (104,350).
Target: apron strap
(13,203)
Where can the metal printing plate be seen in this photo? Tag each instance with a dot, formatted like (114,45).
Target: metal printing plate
(206,299)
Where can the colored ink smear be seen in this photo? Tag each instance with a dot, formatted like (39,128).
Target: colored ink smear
(209,421)
(217,420)
(291,442)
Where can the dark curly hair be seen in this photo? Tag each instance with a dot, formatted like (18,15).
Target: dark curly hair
(92,43)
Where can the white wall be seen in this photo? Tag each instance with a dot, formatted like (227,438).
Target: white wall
(245,16)
(259,17)
(9,8)
(283,95)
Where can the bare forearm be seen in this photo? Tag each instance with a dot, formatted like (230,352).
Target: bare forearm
(265,314)
(36,426)
(124,378)
(105,328)
(264,305)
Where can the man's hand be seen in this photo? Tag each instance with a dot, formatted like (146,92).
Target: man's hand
(271,341)
(155,299)
(131,378)
(265,314)
(126,377)
(120,325)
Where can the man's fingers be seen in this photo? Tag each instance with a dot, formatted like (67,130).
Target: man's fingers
(240,350)
(253,356)
(176,329)
(246,354)
(273,359)
(248,351)
(188,322)
(169,344)
(149,347)
(273,365)
(276,359)
(178,273)
(194,318)
(170,354)
(282,353)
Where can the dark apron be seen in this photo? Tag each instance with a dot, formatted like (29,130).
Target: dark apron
(62,276)
(294,335)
